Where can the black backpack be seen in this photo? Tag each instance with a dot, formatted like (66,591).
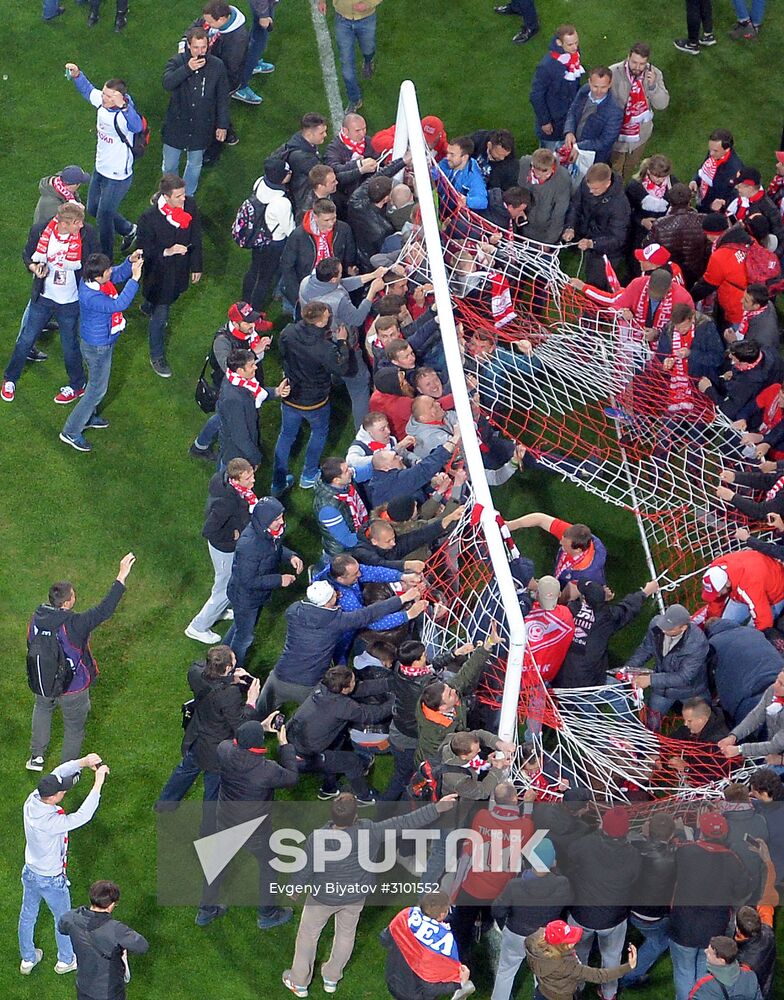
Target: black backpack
(49,670)
(426,782)
(141,140)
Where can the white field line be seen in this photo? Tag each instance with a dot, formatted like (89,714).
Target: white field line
(328,69)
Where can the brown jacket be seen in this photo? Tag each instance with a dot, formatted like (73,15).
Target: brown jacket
(681,232)
(559,977)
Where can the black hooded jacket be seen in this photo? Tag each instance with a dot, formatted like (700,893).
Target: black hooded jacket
(226,513)
(603,218)
(255,572)
(98,943)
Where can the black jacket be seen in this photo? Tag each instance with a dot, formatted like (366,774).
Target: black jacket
(369,555)
(199,102)
(248,780)
(602,869)
(90,245)
(604,219)
(710,881)
(338,156)
(301,157)
(98,943)
(220,708)
(759,953)
(737,398)
(164,279)
(587,662)
(299,256)
(653,889)
(771,214)
(230,47)
(255,572)
(500,174)
(310,358)
(722,186)
(226,513)
(402,982)
(530,901)
(239,424)
(323,717)
(312,634)
(371,225)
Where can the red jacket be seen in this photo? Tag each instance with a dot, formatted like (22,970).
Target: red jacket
(726,270)
(484,884)
(549,636)
(756,580)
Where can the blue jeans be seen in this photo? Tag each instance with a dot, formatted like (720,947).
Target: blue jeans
(38,315)
(209,432)
(159,317)
(358,387)
(347,35)
(401,775)
(757,10)
(193,162)
(738,611)
(527,10)
(257,43)
(184,775)
(290,423)
(99,365)
(240,635)
(688,965)
(103,201)
(53,890)
(655,943)
(50,11)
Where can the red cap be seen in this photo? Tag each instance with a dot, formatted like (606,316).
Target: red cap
(433,129)
(780,155)
(654,253)
(243,312)
(615,822)
(559,932)
(713,826)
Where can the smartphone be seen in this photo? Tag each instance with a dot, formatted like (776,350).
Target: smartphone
(753,841)
(278,722)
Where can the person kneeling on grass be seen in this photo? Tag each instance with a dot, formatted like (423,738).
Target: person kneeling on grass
(101,322)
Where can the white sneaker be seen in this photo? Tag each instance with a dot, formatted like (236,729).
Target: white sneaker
(8,391)
(61,968)
(27,967)
(208,637)
(35,764)
(228,615)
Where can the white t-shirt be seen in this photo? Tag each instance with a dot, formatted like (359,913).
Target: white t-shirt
(113,158)
(60,283)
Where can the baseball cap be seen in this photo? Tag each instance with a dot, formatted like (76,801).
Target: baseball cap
(243,312)
(748,175)
(713,582)
(549,591)
(74,175)
(320,593)
(51,784)
(250,736)
(615,822)
(433,129)
(654,253)
(675,616)
(559,932)
(713,826)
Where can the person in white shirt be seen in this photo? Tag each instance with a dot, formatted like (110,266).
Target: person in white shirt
(271,190)
(44,877)
(117,122)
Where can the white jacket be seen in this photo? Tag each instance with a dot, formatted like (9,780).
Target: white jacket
(279,215)
(46,826)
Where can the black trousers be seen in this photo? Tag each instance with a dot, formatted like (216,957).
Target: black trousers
(699,13)
(261,276)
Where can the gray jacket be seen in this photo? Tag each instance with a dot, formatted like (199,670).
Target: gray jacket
(757,717)
(430,436)
(547,212)
(658,99)
(470,785)
(344,312)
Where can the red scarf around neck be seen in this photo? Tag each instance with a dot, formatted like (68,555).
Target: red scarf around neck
(323,241)
(739,206)
(570,62)
(656,190)
(637,108)
(533,179)
(251,384)
(176,217)
(359,514)
(357,148)
(118,320)
(663,311)
(680,383)
(73,241)
(743,326)
(62,189)
(252,340)
(707,172)
(246,493)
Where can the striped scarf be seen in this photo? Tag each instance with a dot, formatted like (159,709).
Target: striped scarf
(118,320)
(357,149)
(680,383)
(707,172)
(72,242)
(775,488)
(251,384)
(743,326)
(663,311)
(359,514)
(246,493)
(739,207)
(571,61)
(637,109)
(63,190)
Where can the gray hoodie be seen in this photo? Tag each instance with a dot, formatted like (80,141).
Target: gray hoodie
(47,825)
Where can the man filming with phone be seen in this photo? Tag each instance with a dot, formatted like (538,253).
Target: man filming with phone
(638,87)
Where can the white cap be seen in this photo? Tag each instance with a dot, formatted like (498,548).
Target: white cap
(548,592)
(713,582)
(320,593)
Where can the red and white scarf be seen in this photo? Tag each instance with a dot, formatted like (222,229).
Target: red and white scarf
(71,242)
(565,563)
(771,412)
(546,789)
(776,191)
(532,179)
(323,241)
(118,320)
(654,199)
(501,300)
(246,493)
(663,311)
(477,764)
(62,189)
(743,326)
(707,172)
(775,488)
(253,340)
(571,61)
(415,670)
(656,190)
(739,207)
(176,217)
(359,514)
(251,384)
(637,109)
(680,383)
(357,149)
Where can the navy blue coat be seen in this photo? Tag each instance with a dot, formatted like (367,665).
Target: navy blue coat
(707,350)
(551,95)
(413,482)
(722,186)
(255,572)
(745,664)
(601,130)
(683,672)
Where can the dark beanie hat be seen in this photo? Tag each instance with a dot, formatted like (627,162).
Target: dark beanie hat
(593,593)
(250,736)
(401,508)
(275,170)
(715,222)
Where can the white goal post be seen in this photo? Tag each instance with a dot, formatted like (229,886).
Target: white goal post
(408,133)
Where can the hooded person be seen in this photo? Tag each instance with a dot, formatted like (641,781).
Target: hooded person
(273,223)
(393,395)
(725,976)
(596,621)
(55,190)
(255,572)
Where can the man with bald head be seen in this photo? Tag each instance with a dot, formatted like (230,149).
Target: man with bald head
(351,156)
(429,424)
(380,545)
(392,479)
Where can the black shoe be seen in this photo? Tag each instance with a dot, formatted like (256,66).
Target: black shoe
(161,367)
(232,139)
(51,326)
(92,19)
(128,241)
(208,454)
(525,35)
(35,355)
(120,21)
(368,68)
(506,8)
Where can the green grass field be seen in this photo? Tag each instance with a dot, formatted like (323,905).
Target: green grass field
(67,515)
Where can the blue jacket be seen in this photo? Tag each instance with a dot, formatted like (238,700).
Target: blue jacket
(601,130)
(745,664)
(96,309)
(413,482)
(683,672)
(255,572)
(707,351)
(469,182)
(551,94)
